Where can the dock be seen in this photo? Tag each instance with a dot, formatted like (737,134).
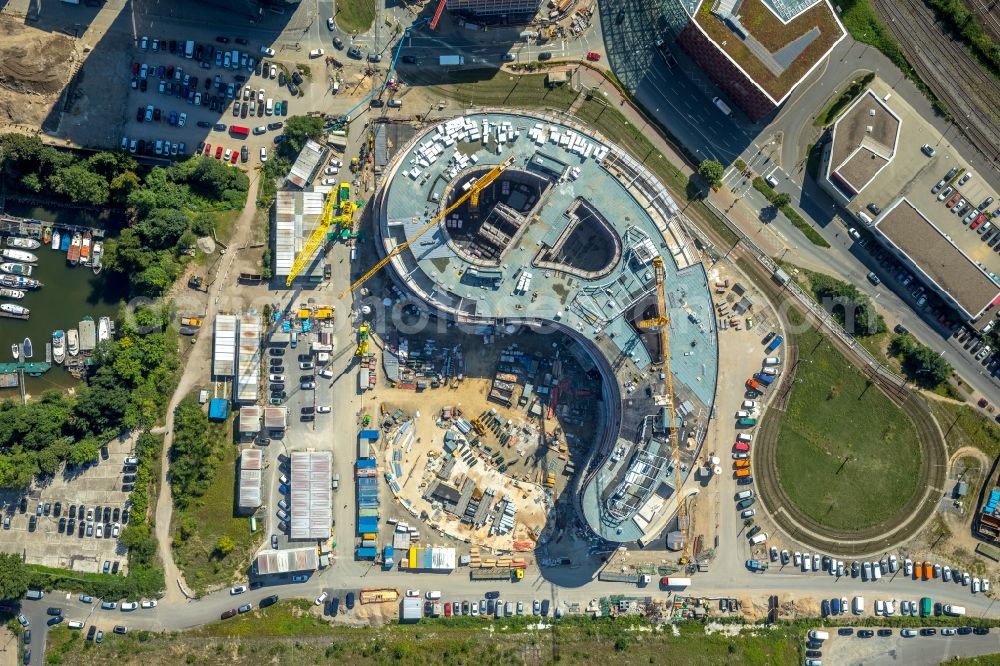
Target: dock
(31,228)
(34,368)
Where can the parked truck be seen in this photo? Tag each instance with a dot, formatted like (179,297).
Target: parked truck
(672,582)
(495,573)
(774,344)
(764,379)
(189,49)
(451,60)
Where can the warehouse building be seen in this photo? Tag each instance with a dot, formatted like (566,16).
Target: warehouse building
(224,347)
(758,51)
(310,158)
(297,215)
(248,366)
(251,468)
(311,495)
(249,421)
(275,562)
(507,10)
(275,419)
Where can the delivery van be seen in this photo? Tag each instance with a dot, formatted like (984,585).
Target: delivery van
(758,538)
(819,635)
(859,605)
(772,360)
(744,494)
(739,464)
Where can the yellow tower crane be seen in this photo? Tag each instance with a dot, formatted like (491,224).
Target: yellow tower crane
(661,322)
(472,194)
(318,236)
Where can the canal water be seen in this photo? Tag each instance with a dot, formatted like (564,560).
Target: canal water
(69,293)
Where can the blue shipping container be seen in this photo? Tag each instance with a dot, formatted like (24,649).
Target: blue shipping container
(365,463)
(366,553)
(369,434)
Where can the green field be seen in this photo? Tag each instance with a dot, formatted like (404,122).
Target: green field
(354,16)
(286,634)
(846,455)
(964,426)
(209,518)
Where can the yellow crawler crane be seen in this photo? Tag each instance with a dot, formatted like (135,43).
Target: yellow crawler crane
(337,200)
(472,195)
(662,324)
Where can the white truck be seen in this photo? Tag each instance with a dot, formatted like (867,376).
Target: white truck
(723,106)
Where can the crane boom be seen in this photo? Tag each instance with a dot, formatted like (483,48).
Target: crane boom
(315,239)
(473,191)
(662,323)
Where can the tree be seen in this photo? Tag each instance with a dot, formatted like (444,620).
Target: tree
(13,576)
(297,130)
(80,184)
(926,367)
(781,199)
(84,450)
(225,545)
(163,227)
(711,171)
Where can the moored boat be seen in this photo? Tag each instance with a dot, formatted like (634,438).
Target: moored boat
(23,243)
(46,235)
(73,255)
(73,341)
(15,351)
(58,346)
(26,349)
(103,329)
(18,255)
(88,334)
(65,241)
(14,309)
(11,293)
(85,247)
(56,239)
(97,256)
(19,282)
(15,268)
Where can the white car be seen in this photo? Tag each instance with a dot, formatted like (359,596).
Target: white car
(975,585)
(879,607)
(129,606)
(413,593)
(890,607)
(323,409)
(315,53)
(336,163)
(321,598)
(260,96)
(329,23)
(986,585)
(100,530)
(947,631)
(334,170)
(267,50)
(274,71)
(329,181)
(149,603)
(263,154)
(326,373)
(116,530)
(227,154)
(893,564)
(908,567)
(749,405)
(182,119)
(965,578)
(798,558)
(239,589)
(946,574)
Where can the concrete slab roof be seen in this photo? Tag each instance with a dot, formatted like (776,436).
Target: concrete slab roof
(635,219)
(864,141)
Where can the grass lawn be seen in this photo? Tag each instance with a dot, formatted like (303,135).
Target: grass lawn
(494,88)
(209,518)
(282,634)
(354,16)
(835,415)
(964,426)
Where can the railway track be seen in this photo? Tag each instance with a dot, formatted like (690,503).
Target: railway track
(951,73)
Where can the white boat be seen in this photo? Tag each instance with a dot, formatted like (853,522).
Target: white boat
(15,350)
(14,309)
(19,281)
(56,237)
(18,255)
(23,243)
(73,340)
(11,293)
(58,346)
(96,256)
(103,329)
(16,268)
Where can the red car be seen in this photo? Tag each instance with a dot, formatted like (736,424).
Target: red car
(208,149)
(447,609)
(235,157)
(979,220)
(593,56)
(135,69)
(954,200)
(229,613)
(742,446)
(218,153)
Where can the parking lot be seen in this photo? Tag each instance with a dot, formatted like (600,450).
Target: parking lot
(59,537)
(180,104)
(890,646)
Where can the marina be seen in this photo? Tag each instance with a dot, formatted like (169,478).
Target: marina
(64,314)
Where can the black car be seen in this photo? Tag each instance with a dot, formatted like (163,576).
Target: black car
(62,525)
(277,352)
(116,514)
(296,78)
(140,114)
(490,606)
(91,632)
(156,115)
(124,516)
(55,620)
(865,633)
(409,60)
(377,103)
(268,601)
(71,527)
(23,506)
(825,608)
(493,595)
(334,606)
(814,645)
(814,654)
(349,600)
(222,40)
(981,631)
(744,481)
(241,41)
(928,631)
(256,584)
(52,610)
(885,632)
(143,85)
(937,608)
(27,656)
(845,631)
(244,153)
(275,126)
(107,514)
(57,509)
(544,55)
(220,127)
(72,510)
(964,631)
(281,78)
(338,43)
(114,567)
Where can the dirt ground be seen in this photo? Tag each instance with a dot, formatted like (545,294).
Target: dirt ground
(34,67)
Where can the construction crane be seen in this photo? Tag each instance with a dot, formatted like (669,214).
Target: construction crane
(472,193)
(661,323)
(339,199)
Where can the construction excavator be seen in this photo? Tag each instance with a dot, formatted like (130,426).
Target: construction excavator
(661,324)
(471,195)
(337,201)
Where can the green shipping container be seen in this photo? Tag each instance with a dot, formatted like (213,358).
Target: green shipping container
(368,513)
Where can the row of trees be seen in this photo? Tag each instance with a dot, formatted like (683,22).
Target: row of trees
(194,453)
(922,365)
(851,307)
